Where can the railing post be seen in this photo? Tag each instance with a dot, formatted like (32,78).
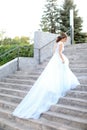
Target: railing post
(72,25)
(18,59)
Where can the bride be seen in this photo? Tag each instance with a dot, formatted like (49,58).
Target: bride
(53,83)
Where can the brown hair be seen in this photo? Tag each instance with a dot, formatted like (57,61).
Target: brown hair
(60,37)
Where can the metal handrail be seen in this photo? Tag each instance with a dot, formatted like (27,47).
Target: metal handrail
(8,52)
(11,50)
(39,49)
(47,44)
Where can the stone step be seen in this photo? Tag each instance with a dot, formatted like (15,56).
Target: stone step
(82,79)
(75,51)
(19,81)
(28,73)
(72,63)
(70,113)
(15,86)
(80,56)
(10,98)
(74,70)
(73,67)
(77,46)
(59,126)
(77,57)
(56,108)
(77,94)
(77,61)
(7,105)
(78,65)
(80,74)
(66,97)
(73,102)
(10,125)
(69,110)
(82,70)
(34,124)
(79,53)
(36,73)
(16,76)
(66,119)
(13,92)
(82,87)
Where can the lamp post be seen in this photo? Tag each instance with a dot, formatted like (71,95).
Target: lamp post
(72,26)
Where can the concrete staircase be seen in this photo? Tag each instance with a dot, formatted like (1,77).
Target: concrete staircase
(69,114)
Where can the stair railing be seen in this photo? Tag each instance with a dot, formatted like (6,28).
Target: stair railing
(10,51)
(17,50)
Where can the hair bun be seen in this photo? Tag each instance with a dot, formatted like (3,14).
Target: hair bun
(60,37)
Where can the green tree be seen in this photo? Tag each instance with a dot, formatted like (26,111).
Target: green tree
(7,41)
(2,34)
(21,40)
(65,20)
(25,39)
(50,17)
(1,37)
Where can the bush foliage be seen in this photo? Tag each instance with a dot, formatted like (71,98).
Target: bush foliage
(16,47)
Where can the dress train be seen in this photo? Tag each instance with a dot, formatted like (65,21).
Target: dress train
(53,83)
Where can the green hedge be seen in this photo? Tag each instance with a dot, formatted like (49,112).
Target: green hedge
(24,51)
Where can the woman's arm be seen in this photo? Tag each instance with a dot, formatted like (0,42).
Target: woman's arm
(60,52)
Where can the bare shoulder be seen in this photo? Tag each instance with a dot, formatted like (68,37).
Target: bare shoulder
(61,44)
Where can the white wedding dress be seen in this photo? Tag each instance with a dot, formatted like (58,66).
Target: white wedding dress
(53,83)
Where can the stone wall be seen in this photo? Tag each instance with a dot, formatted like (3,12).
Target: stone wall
(27,63)
(8,68)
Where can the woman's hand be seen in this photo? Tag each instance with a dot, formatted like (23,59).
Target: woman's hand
(63,61)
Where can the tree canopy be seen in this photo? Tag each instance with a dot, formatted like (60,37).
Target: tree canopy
(50,17)
(57,19)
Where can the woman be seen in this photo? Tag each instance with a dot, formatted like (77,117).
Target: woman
(53,83)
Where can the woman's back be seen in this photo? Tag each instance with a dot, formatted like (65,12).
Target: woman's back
(57,45)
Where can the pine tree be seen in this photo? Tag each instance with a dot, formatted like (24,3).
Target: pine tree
(65,20)
(50,17)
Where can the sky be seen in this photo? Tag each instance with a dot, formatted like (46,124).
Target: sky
(22,17)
